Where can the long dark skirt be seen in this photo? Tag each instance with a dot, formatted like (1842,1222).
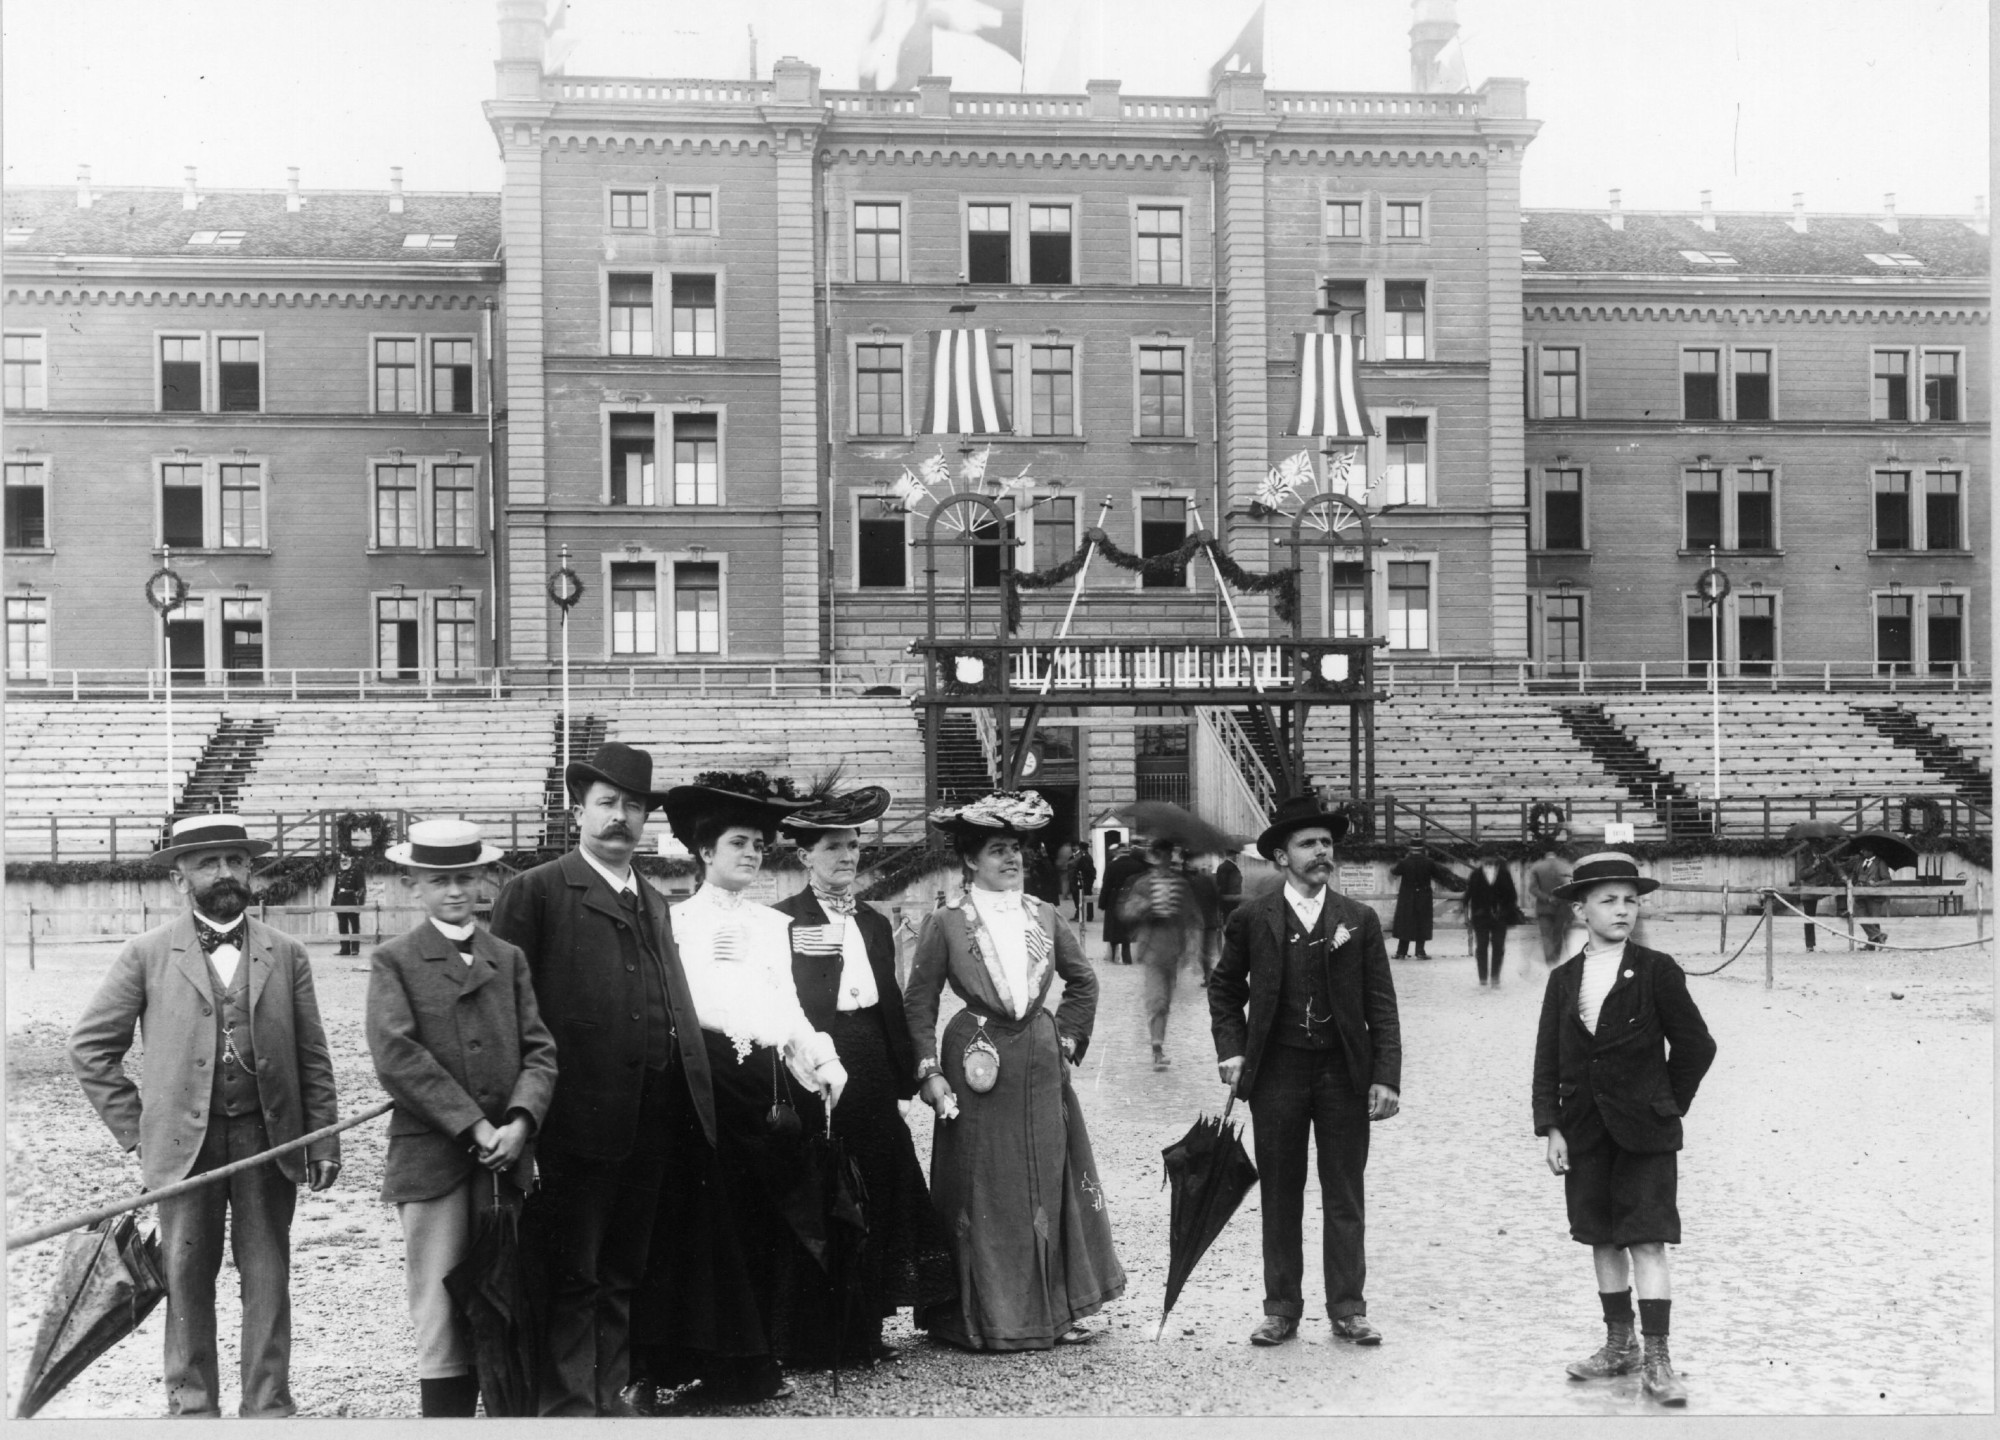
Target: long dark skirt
(736,1228)
(906,1259)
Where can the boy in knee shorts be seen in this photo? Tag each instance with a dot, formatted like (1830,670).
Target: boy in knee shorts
(1620,1053)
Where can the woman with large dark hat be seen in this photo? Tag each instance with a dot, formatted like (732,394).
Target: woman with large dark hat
(732,1237)
(1012,1173)
(844,967)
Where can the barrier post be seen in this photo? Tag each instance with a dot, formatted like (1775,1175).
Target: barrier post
(1722,943)
(1770,944)
(1849,927)
(31,937)
(1978,912)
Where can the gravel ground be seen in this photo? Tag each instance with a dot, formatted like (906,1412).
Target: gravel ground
(1836,1194)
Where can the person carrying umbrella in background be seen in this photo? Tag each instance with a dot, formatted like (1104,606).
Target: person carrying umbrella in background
(236,1062)
(459,1044)
(1412,923)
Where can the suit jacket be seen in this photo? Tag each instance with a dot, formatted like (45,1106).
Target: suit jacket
(454,1044)
(1642,1066)
(584,959)
(159,983)
(1252,969)
(944,955)
(817,979)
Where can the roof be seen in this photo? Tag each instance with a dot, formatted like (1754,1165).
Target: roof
(1581,242)
(253,224)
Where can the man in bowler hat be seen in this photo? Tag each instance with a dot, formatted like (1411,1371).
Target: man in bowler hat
(610,987)
(236,1062)
(1320,1056)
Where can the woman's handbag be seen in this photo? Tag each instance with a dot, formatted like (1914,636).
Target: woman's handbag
(982,1061)
(782,1120)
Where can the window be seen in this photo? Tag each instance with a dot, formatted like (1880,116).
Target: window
(396,507)
(631,210)
(1003,382)
(239,373)
(1350,297)
(635,609)
(454,508)
(425,242)
(1160,246)
(1052,389)
(455,637)
(989,244)
(1941,511)
(878,389)
(986,558)
(27,506)
(225,238)
(1895,635)
(696,471)
(1892,510)
(186,629)
(26,371)
(697,608)
(1055,531)
(242,494)
(1756,510)
(1562,510)
(1409,605)
(1404,219)
(631,314)
(1406,473)
(1753,384)
(1162,531)
(1896,260)
(1699,627)
(1162,390)
(1702,497)
(1708,257)
(451,377)
(1403,320)
(1941,385)
(881,559)
(1944,632)
(181,507)
(180,372)
(243,635)
(694,210)
(397,653)
(1756,634)
(1562,629)
(396,376)
(1562,382)
(1892,385)
(27,637)
(1701,385)
(1343,219)
(1049,252)
(878,244)
(632,460)
(1348,600)
(694,315)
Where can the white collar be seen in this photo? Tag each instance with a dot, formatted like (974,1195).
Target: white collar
(629,882)
(1298,897)
(217,925)
(455,933)
(999,902)
(717,898)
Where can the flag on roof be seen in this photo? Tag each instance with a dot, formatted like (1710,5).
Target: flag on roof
(1246,52)
(898,50)
(1330,400)
(965,395)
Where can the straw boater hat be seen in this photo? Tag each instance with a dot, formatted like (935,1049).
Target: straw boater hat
(848,811)
(1296,814)
(1011,814)
(620,765)
(1605,865)
(750,798)
(207,832)
(443,845)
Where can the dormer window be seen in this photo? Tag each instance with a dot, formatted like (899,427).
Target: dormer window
(430,242)
(18,234)
(1896,260)
(216,237)
(1533,257)
(1708,257)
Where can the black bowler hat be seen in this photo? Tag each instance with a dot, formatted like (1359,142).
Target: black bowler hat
(1605,865)
(628,769)
(1296,814)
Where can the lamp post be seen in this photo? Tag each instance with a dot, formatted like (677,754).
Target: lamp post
(1713,587)
(565,589)
(166,591)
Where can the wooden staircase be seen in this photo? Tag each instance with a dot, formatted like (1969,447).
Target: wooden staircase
(1937,754)
(1629,763)
(227,761)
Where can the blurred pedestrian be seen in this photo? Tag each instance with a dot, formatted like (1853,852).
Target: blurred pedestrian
(1228,886)
(1162,916)
(1208,905)
(1412,924)
(1868,870)
(1045,881)
(1491,907)
(1082,879)
(1547,875)
(1122,865)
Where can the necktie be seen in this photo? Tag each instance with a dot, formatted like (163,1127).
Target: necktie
(222,947)
(211,937)
(835,903)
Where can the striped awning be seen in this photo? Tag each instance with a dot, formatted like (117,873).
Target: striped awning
(1330,400)
(965,395)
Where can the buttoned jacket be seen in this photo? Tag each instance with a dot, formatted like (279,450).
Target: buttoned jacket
(817,979)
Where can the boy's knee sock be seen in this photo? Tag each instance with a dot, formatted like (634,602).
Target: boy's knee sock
(1653,1315)
(1617,1306)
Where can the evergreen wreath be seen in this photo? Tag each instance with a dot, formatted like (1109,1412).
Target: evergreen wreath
(1282,585)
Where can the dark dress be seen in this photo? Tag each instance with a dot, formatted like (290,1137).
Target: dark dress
(1412,923)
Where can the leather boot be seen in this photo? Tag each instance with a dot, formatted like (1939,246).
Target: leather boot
(1619,1354)
(455,1397)
(1661,1383)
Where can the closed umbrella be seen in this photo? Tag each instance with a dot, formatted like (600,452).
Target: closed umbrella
(1209,1172)
(491,1289)
(109,1281)
(844,1194)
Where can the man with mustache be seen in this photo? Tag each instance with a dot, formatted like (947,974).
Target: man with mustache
(632,1074)
(236,1062)
(1320,1055)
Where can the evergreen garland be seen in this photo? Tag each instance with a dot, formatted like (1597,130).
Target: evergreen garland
(1282,585)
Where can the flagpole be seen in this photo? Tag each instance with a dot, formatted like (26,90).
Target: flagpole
(1075,594)
(1228,601)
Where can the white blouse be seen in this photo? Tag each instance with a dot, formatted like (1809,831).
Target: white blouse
(1005,922)
(738,960)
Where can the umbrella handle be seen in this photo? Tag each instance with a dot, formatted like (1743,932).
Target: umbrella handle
(1230,1106)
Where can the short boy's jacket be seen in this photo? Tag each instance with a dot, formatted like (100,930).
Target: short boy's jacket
(1642,1066)
(453,1044)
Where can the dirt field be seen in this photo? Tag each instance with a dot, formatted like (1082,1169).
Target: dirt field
(1837,1197)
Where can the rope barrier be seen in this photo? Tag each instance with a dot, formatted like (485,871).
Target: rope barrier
(182,1187)
(1832,929)
(1739,950)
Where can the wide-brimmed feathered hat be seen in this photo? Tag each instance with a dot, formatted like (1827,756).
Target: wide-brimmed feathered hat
(749,798)
(207,832)
(1605,865)
(849,810)
(628,769)
(1296,814)
(1014,814)
(443,845)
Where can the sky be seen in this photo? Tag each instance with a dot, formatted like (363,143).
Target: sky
(1753,100)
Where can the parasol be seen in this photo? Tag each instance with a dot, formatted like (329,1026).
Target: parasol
(1164,820)
(1892,850)
(108,1283)
(1816,830)
(1210,1173)
(491,1291)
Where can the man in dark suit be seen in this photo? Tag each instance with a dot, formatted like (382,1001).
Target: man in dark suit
(611,990)
(1320,1055)
(236,1062)
(1122,865)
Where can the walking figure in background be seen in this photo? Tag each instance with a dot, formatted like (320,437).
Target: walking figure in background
(1122,865)
(1619,1055)
(1490,908)
(1162,916)
(1208,909)
(350,889)
(236,1062)
(1412,924)
(1546,876)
